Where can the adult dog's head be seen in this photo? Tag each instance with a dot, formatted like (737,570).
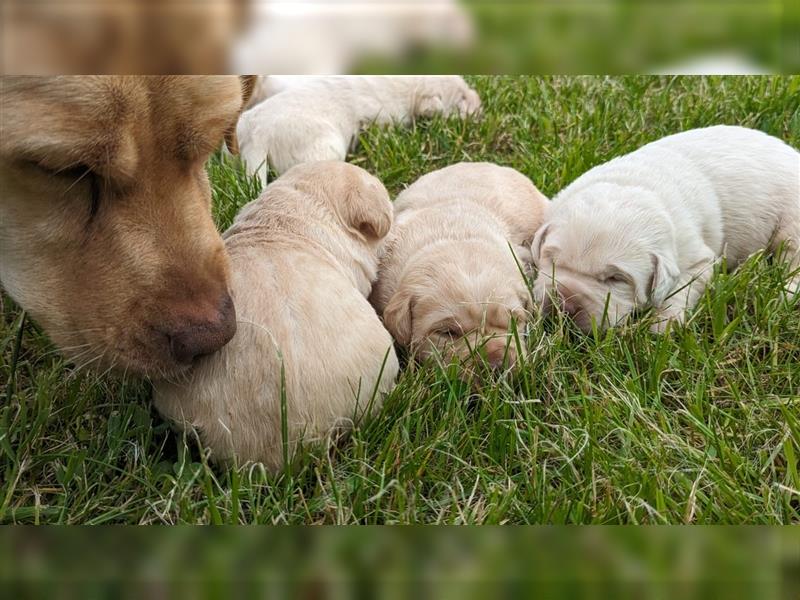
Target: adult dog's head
(602,254)
(106,235)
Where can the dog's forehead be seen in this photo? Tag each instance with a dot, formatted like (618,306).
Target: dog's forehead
(101,119)
(190,114)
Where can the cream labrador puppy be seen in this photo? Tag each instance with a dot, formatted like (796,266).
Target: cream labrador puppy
(450,279)
(303,258)
(645,229)
(318,118)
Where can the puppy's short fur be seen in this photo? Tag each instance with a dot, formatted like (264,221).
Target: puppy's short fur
(106,235)
(646,228)
(303,259)
(318,118)
(449,281)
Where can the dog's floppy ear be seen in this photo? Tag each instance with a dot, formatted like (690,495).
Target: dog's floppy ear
(248,84)
(366,208)
(538,242)
(398,318)
(664,278)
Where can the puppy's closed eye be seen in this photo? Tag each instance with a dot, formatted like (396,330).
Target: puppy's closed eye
(616,278)
(452,332)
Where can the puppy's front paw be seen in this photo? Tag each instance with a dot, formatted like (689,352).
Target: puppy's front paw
(663,321)
(792,289)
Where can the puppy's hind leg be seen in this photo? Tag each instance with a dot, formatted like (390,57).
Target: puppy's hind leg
(787,243)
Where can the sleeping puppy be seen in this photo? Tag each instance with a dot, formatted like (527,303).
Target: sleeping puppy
(318,118)
(303,259)
(645,229)
(450,280)
(106,235)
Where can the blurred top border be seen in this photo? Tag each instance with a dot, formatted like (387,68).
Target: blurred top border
(401,36)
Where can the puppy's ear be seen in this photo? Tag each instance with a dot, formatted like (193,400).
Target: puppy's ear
(538,242)
(248,84)
(664,278)
(367,209)
(522,254)
(398,318)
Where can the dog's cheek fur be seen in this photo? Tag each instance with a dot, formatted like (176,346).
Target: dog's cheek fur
(138,265)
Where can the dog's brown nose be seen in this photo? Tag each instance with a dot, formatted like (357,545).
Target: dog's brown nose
(198,337)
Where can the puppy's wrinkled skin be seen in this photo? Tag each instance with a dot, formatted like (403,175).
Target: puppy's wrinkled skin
(449,280)
(303,259)
(318,118)
(106,235)
(645,229)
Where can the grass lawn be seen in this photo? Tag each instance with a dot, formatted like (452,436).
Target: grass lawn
(699,426)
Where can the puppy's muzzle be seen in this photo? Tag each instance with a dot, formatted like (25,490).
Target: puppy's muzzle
(563,299)
(199,334)
(500,354)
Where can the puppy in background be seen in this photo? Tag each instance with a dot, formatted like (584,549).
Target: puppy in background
(303,258)
(645,229)
(319,118)
(334,36)
(449,281)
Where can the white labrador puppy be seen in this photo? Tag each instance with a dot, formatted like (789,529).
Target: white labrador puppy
(449,280)
(645,229)
(318,118)
(303,259)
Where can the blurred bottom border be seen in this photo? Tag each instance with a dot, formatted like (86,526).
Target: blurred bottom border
(441,562)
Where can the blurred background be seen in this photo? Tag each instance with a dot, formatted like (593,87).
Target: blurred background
(678,563)
(400,36)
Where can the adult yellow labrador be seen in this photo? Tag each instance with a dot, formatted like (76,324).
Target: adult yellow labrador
(106,235)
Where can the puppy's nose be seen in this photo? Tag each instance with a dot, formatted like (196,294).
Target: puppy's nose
(547,302)
(498,354)
(569,301)
(201,336)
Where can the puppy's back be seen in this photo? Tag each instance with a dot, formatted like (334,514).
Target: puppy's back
(508,194)
(740,181)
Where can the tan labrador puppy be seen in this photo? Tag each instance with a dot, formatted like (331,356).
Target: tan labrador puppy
(303,257)
(450,279)
(106,235)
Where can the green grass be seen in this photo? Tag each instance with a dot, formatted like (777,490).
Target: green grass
(699,426)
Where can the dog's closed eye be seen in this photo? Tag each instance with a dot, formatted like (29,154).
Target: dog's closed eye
(74,175)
